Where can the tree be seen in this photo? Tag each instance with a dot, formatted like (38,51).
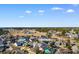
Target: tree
(3,32)
(49,35)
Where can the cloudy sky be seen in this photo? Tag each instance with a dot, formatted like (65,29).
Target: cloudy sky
(39,15)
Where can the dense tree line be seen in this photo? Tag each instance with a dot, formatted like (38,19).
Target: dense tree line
(3,32)
(56,29)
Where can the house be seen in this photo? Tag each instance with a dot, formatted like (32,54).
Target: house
(44,39)
(26,32)
(71,35)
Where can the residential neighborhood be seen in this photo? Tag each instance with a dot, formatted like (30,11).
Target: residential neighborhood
(39,40)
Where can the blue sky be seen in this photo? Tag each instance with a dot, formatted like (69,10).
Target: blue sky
(39,15)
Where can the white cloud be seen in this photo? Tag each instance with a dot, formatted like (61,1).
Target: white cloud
(57,8)
(28,11)
(41,11)
(21,16)
(70,11)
